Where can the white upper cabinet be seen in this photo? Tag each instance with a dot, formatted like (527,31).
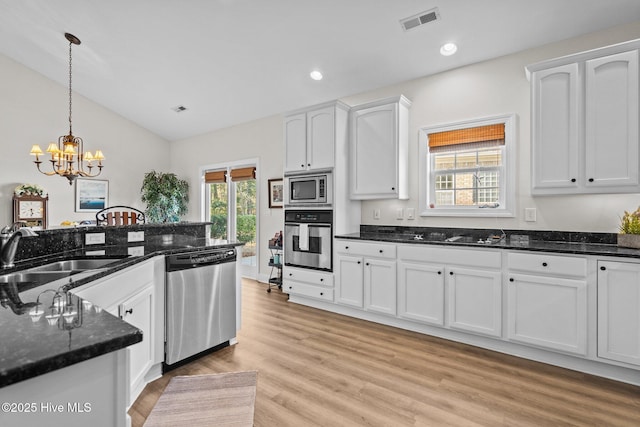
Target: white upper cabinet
(585,122)
(379,149)
(309,138)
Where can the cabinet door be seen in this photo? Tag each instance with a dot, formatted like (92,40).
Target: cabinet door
(421,292)
(350,280)
(138,311)
(555,143)
(380,286)
(548,312)
(619,311)
(374,154)
(475,300)
(611,135)
(295,143)
(320,138)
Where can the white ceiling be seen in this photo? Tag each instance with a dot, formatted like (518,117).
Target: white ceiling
(231,61)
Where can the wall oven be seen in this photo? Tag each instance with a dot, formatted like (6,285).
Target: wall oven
(309,190)
(308,237)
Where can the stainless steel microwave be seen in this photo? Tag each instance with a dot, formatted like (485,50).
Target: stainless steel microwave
(309,190)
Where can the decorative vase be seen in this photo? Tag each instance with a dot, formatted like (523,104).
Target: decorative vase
(629,241)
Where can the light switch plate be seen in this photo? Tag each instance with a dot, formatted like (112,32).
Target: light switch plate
(399,213)
(94,239)
(530,214)
(411,213)
(376,214)
(96,253)
(135,236)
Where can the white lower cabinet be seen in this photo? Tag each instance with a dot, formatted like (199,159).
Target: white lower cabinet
(380,286)
(136,295)
(366,274)
(619,311)
(548,312)
(314,284)
(138,311)
(474,300)
(547,301)
(421,292)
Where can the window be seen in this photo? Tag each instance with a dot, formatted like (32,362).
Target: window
(466,169)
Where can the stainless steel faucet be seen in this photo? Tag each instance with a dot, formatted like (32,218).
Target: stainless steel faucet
(9,238)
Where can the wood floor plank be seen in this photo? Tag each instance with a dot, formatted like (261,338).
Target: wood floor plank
(322,369)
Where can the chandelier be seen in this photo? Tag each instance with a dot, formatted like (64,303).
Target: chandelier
(68,158)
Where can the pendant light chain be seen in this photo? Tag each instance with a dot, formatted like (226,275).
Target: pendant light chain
(70,103)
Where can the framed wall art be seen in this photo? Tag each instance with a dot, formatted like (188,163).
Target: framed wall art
(276,193)
(92,195)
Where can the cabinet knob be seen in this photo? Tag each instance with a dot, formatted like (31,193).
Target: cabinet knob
(451,273)
(367,263)
(511,279)
(290,287)
(603,268)
(358,262)
(130,311)
(439,272)
(322,279)
(393,188)
(302,165)
(308,164)
(290,274)
(544,264)
(590,179)
(381,251)
(573,180)
(346,247)
(321,293)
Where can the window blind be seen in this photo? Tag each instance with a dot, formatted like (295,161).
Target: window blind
(215,177)
(490,135)
(243,174)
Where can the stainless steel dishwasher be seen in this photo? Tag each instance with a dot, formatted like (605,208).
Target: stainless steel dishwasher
(200,302)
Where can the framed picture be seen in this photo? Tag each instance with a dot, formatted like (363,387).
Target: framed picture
(92,195)
(276,193)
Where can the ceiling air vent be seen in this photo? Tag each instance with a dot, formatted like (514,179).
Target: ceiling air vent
(420,19)
(179,108)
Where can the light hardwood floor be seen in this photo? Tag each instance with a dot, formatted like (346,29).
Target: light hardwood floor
(322,369)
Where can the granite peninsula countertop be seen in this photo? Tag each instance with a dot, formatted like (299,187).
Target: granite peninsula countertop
(32,347)
(577,243)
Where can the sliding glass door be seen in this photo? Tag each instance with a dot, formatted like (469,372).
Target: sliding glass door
(231,206)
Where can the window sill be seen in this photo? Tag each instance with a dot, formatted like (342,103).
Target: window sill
(470,213)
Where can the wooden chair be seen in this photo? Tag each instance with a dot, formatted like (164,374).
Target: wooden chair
(119,215)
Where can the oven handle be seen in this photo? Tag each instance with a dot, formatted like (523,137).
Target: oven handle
(311,224)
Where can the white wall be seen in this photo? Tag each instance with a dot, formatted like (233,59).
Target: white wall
(490,88)
(34,110)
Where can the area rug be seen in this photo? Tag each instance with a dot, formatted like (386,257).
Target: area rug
(206,400)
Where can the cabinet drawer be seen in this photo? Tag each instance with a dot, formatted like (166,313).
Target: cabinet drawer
(380,250)
(308,276)
(547,264)
(481,257)
(303,289)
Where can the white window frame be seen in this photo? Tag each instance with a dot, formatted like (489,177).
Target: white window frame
(508,178)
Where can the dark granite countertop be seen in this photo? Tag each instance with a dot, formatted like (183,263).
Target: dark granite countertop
(600,244)
(32,347)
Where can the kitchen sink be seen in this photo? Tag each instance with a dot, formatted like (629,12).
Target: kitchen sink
(75,265)
(39,277)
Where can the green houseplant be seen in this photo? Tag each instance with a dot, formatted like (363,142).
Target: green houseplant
(629,230)
(166,196)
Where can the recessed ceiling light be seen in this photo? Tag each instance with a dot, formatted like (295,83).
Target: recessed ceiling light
(315,75)
(448,49)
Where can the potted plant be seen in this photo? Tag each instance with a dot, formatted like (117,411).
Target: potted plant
(166,196)
(629,235)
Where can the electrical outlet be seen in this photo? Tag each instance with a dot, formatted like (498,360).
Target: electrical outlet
(135,250)
(135,236)
(94,239)
(399,213)
(530,214)
(411,213)
(376,214)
